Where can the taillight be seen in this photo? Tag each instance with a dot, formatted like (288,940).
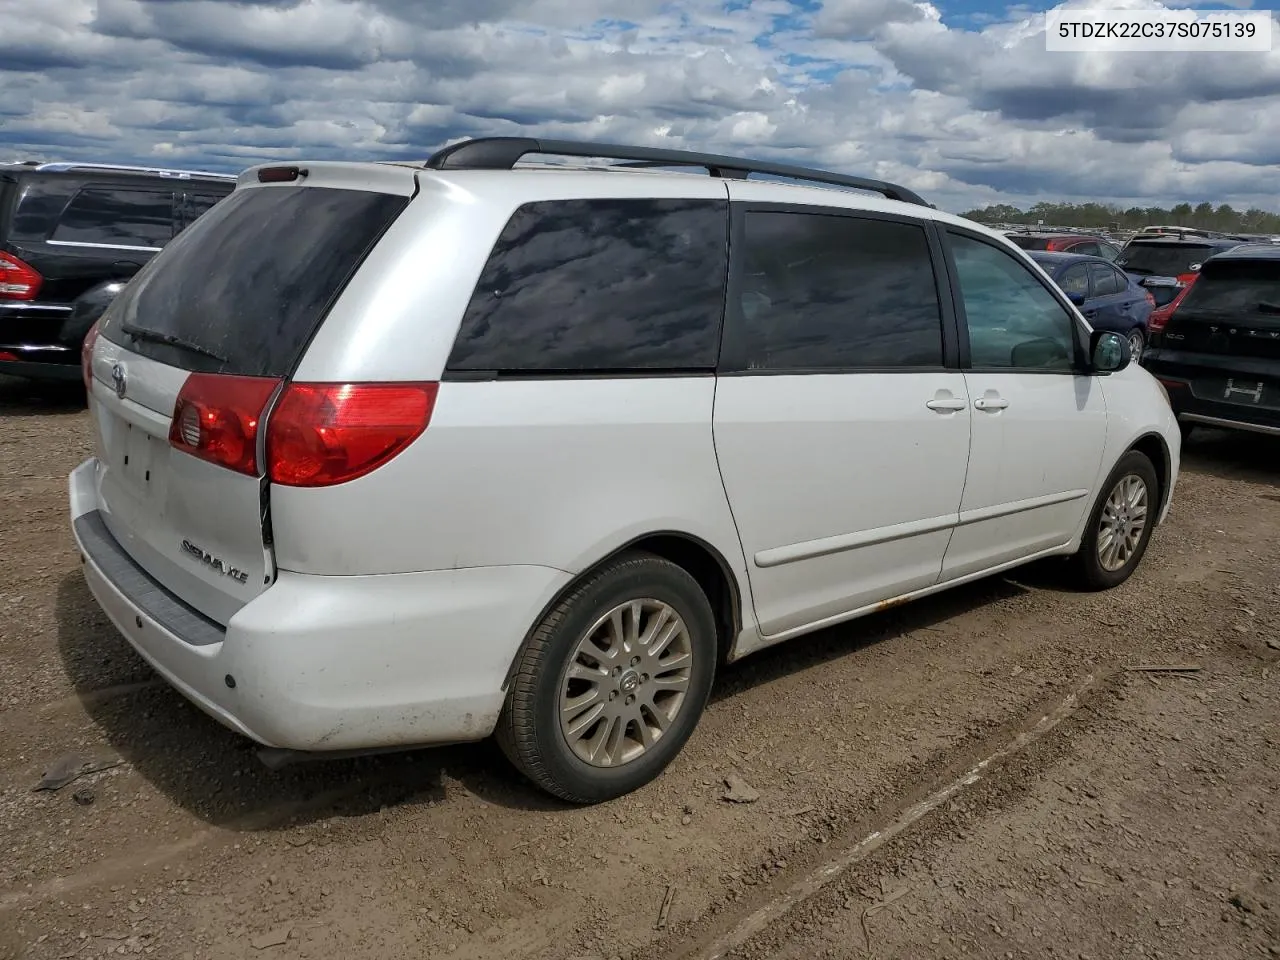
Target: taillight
(1187,279)
(1160,316)
(321,434)
(216,418)
(9,356)
(18,280)
(86,356)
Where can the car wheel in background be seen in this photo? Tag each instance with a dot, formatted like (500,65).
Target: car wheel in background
(1120,524)
(612,681)
(1137,342)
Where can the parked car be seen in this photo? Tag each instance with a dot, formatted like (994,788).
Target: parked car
(1166,265)
(1085,244)
(1216,348)
(400,454)
(71,236)
(1109,298)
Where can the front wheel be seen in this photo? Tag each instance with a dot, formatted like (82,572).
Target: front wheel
(1120,524)
(612,681)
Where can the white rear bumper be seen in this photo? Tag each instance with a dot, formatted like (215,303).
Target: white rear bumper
(333,663)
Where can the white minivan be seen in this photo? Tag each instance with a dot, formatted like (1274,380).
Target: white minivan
(391,455)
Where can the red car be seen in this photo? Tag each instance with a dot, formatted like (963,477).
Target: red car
(1081,243)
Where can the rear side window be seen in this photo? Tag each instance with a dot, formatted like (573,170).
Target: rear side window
(117,216)
(616,285)
(39,201)
(827,292)
(243,288)
(195,205)
(1106,281)
(1075,280)
(1162,259)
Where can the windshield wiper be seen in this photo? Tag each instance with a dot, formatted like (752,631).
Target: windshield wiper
(155,336)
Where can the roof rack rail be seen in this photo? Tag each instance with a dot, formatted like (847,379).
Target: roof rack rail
(63,167)
(503,153)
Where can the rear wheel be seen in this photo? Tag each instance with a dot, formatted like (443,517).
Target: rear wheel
(1120,524)
(1137,343)
(612,681)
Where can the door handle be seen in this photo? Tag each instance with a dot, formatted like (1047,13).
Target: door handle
(991,403)
(946,404)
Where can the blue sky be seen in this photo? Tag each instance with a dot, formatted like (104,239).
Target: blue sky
(957,99)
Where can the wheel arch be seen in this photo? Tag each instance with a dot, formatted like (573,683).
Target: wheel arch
(1153,447)
(702,561)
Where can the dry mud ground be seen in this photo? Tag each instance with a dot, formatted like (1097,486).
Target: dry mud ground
(1117,813)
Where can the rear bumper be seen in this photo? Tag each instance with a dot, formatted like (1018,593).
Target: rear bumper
(329,663)
(1182,375)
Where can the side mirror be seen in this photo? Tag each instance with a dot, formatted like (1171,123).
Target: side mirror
(1109,352)
(1077,298)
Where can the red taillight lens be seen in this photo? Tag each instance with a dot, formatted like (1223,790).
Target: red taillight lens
(216,418)
(18,280)
(1187,279)
(1159,318)
(6,355)
(321,434)
(86,356)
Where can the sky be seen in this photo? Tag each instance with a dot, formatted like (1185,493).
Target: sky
(956,99)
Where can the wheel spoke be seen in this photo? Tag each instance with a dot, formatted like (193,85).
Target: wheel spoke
(625,684)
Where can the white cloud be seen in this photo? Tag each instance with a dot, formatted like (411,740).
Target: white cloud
(887,88)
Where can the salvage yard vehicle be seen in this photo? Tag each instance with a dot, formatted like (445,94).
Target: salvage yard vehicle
(71,236)
(1166,265)
(400,454)
(1216,348)
(1109,298)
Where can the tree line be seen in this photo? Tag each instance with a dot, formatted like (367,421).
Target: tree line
(1098,215)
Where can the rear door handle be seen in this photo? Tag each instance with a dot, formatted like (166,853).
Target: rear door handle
(991,403)
(946,404)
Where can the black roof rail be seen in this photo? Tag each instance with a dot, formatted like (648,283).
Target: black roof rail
(503,153)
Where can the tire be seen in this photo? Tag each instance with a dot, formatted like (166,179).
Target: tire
(1137,344)
(1091,572)
(598,760)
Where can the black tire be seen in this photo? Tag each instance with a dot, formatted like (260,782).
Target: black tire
(1088,570)
(529,730)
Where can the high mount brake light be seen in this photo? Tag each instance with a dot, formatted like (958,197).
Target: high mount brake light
(18,280)
(217,418)
(321,434)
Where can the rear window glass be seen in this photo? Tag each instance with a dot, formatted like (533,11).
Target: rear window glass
(117,216)
(243,288)
(587,286)
(1236,287)
(1030,243)
(1163,259)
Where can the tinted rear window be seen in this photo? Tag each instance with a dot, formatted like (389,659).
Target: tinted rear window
(1239,288)
(117,216)
(1030,243)
(586,286)
(1163,259)
(246,285)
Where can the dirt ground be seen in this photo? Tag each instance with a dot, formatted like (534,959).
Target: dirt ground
(981,774)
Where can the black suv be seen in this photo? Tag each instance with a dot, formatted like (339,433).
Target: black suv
(1219,353)
(71,236)
(1165,265)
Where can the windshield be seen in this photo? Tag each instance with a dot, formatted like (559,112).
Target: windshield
(1163,259)
(242,290)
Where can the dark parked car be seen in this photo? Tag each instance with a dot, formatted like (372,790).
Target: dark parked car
(71,236)
(1218,347)
(1109,298)
(1165,265)
(1066,243)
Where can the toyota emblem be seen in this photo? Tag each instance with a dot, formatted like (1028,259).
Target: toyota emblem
(118,379)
